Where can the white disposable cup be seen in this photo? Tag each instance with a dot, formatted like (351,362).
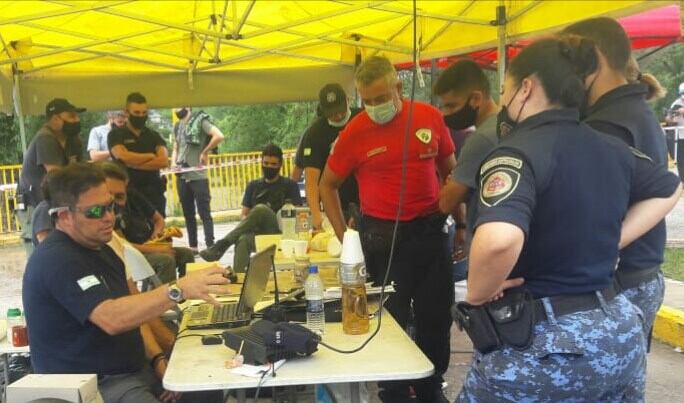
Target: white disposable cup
(287,247)
(300,248)
(351,248)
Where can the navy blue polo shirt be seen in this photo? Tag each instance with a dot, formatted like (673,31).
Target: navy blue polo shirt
(623,113)
(568,188)
(63,283)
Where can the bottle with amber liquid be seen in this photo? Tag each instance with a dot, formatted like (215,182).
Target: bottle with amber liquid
(354,302)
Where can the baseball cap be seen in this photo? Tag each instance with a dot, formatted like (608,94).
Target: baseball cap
(332,99)
(59,105)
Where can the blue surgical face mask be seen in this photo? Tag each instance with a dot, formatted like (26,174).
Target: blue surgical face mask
(342,122)
(382,113)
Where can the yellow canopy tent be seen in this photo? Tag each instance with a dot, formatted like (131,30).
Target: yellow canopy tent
(241,52)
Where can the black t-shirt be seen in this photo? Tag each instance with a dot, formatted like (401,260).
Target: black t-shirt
(316,145)
(135,219)
(63,283)
(43,150)
(147,142)
(273,194)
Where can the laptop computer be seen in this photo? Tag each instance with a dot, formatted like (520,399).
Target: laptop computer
(236,314)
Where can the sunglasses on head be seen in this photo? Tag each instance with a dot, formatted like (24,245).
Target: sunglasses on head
(93,212)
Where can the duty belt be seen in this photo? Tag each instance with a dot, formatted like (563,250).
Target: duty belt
(567,304)
(624,280)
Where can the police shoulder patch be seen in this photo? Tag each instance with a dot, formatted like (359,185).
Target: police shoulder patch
(499,177)
(498,185)
(639,154)
(513,162)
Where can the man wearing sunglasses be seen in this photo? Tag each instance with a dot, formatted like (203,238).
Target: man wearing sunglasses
(138,222)
(80,313)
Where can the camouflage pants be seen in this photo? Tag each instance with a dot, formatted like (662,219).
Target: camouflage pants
(589,356)
(648,296)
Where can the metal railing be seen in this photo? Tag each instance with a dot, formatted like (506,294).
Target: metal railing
(228,178)
(8,178)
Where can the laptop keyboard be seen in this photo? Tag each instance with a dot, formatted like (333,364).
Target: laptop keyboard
(224,313)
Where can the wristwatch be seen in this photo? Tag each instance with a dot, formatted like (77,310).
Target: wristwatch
(175,294)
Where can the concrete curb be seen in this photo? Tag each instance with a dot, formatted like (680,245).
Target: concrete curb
(669,326)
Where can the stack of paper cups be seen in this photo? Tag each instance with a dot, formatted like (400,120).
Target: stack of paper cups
(351,248)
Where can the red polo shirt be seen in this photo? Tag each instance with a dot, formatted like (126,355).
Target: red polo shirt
(373,153)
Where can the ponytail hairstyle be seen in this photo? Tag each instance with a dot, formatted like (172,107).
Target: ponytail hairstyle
(612,40)
(634,75)
(608,36)
(561,65)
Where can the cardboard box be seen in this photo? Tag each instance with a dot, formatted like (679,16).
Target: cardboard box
(76,388)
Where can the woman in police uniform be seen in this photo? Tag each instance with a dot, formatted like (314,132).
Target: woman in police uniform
(553,211)
(616,105)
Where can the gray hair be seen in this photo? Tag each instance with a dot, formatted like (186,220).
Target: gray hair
(373,68)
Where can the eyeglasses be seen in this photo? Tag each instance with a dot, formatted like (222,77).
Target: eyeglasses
(95,212)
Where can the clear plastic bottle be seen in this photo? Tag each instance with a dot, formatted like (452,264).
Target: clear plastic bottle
(313,291)
(288,221)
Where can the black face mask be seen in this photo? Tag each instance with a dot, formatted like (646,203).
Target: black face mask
(182,113)
(71,129)
(270,173)
(462,118)
(138,121)
(504,123)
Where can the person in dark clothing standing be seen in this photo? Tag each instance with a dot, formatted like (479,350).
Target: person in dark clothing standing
(616,105)
(316,145)
(142,150)
(195,137)
(55,145)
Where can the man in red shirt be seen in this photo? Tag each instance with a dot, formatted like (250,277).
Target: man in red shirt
(371,148)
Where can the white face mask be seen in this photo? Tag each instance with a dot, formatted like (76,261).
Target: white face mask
(382,113)
(342,122)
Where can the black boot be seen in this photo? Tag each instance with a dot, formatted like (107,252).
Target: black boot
(214,253)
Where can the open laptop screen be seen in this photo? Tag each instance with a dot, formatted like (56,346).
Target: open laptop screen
(256,279)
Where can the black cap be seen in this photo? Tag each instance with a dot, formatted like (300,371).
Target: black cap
(59,105)
(332,99)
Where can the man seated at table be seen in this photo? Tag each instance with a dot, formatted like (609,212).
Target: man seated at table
(81,317)
(139,223)
(262,199)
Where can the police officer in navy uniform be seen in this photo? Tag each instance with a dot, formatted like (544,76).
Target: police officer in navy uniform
(617,106)
(554,209)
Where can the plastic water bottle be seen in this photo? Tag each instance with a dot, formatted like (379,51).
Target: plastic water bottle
(288,219)
(313,291)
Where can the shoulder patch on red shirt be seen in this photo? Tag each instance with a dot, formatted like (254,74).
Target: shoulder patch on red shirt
(424,135)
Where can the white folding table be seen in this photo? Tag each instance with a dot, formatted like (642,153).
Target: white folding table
(391,355)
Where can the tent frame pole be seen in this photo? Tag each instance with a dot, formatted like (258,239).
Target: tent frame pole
(501,45)
(18,108)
